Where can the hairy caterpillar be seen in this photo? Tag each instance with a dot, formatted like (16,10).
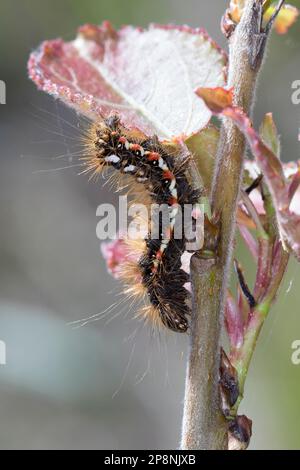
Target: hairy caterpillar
(149,163)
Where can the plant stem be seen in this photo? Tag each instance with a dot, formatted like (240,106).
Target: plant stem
(203,424)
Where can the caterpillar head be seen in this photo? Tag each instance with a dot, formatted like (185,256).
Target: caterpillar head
(101,142)
(106,139)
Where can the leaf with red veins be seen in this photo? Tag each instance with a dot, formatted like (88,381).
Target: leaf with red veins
(147,76)
(220,102)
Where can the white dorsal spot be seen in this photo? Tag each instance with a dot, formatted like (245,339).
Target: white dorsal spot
(112,159)
(129,169)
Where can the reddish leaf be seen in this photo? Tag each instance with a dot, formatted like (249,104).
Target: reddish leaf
(270,166)
(234,322)
(216,99)
(292,174)
(147,76)
(243,305)
(295,184)
(264,270)
(249,240)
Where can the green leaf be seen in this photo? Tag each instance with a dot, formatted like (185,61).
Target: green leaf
(203,146)
(269,134)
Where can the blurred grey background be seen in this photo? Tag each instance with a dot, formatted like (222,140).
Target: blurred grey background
(111,384)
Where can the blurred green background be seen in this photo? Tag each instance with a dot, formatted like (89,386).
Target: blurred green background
(110,385)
